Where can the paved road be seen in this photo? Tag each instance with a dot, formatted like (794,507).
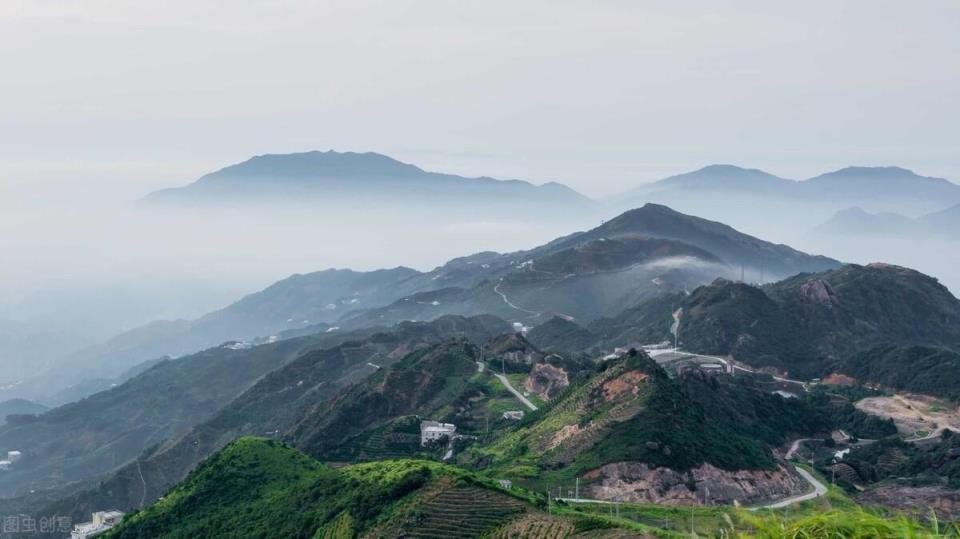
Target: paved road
(143,499)
(510,303)
(819,489)
(584,500)
(795,446)
(506,382)
(725,361)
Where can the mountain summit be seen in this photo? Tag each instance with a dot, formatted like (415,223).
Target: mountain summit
(336,177)
(880,182)
(734,247)
(722,177)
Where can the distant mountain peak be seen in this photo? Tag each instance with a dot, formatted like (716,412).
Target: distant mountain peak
(724,176)
(873,172)
(318,164)
(335,177)
(728,169)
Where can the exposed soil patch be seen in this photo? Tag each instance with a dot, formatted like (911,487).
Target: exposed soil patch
(914,415)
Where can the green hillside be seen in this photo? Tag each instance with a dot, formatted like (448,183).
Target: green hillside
(632,411)
(271,406)
(261,488)
(919,369)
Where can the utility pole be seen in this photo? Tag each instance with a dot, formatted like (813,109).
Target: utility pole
(548,501)
(693,533)
(578,489)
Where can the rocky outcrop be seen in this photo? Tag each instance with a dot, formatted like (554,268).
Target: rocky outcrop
(817,291)
(706,485)
(546,381)
(919,501)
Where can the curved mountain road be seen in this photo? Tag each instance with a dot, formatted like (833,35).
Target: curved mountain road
(143,498)
(819,489)
(535,314)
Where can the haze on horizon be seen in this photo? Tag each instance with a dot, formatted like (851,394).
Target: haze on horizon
(103,102)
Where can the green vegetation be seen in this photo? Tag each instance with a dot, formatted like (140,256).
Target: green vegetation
(892,458)
(919,369)
(630,410)
(837,404)
(261,488)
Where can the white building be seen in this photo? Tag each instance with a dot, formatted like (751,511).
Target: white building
(4,465)
(505,484)
(14,456)
(434,430)
(102,521)
(513,414)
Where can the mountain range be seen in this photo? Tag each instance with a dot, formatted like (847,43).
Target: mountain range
(336,364)
(855,222)
(764,204)
(866,185)
(333,175)
(640,254)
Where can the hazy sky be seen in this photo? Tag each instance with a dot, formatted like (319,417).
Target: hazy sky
(107,98)
(104,101)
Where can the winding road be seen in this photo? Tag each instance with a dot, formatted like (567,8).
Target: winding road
(511,304)
(819,489)
(143,498)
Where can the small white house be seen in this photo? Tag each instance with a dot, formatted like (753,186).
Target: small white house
(505,484)
(14,456)
(513,414)
(434,430)
(4,465)
(101,523)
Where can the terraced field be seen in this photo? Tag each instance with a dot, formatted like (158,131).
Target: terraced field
(464,512)
(535,527)
(397,439)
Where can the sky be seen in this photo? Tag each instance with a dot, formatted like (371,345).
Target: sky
(114,99)
(104,101)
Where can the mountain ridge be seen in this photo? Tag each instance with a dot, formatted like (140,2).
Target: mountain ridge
(334,176)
